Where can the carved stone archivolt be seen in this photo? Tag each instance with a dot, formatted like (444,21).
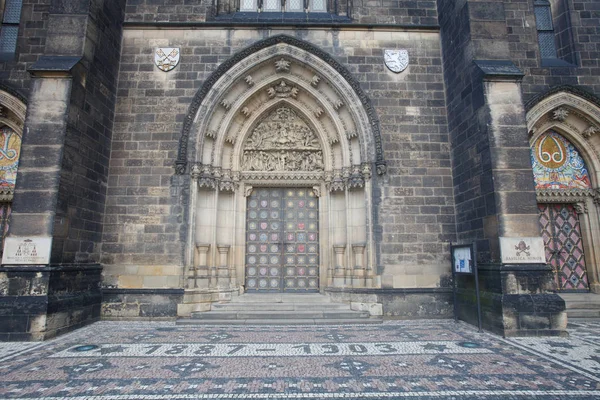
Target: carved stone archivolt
(280,53)
(282,142)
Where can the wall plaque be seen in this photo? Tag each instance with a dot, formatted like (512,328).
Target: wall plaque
(27,250)
(522,250)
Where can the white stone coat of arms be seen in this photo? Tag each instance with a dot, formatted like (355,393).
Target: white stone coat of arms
(396,60)
(166,58)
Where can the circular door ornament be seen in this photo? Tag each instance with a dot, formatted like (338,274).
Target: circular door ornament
(396,60)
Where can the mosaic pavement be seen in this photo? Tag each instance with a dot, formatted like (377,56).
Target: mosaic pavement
(394,360)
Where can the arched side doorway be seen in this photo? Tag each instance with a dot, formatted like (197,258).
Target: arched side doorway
(281,188)
(12,117)
(565,139)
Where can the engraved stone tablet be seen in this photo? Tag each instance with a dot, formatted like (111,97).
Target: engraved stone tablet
(27,250)
(522,250)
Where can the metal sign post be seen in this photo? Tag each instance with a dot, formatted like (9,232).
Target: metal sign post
(464,262)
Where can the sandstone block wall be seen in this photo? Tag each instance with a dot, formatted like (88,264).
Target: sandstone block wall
(147,205)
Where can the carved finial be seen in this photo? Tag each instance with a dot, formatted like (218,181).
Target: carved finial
(315,80)
(249,80)
(318,112)
(225,103)
(246,112)
(592,130)
(282,65)
(283,90)
(338,104)
(211,133)
(351,134)
(560,114)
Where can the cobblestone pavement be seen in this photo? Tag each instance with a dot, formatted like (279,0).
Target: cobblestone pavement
(394,360)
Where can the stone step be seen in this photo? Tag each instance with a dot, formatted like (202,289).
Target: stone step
(281,298)
(583,313)
(236,315)
(305,321)
(278,306)
(576,305)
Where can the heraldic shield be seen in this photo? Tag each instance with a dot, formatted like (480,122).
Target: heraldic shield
(396,60)
(166,58)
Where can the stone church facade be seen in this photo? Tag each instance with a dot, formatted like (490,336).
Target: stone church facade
(161,156)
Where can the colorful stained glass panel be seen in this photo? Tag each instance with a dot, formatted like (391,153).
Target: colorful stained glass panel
(557,164)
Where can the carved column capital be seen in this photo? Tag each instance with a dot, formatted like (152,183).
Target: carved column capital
(580,208)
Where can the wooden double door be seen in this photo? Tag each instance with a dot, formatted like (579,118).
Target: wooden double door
(282,240)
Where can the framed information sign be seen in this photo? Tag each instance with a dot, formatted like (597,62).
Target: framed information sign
(464,263)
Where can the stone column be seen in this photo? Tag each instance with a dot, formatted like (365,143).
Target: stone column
(201,275)
(223,267)
(358,278)
(340,269)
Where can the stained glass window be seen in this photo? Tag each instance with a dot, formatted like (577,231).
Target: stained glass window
(557,164)
(545,28)
(11,14)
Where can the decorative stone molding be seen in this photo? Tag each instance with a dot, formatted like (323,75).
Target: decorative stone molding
(315,80)
(560,114)
(318,112)
(213,178)
(580,208)
(282,65)
(338,104)
(248,190)
(589,132)
(249,80)
(282,90)
(246,112)
(567,196)
(211,133)
(226,104)
(299,178)
(297,45)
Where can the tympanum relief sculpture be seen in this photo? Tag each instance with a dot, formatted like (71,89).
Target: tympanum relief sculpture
(282,142)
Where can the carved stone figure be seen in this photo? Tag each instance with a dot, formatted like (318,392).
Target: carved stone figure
(282,142)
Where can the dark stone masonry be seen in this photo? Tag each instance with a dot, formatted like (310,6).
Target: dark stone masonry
(144,132)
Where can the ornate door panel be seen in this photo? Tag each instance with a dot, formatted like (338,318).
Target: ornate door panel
(282,244)
(564,247)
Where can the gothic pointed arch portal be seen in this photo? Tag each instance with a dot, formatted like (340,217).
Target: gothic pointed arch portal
(12,117)
(281,119)
(564,128)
